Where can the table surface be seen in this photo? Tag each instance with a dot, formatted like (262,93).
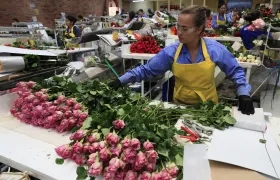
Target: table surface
(36,147)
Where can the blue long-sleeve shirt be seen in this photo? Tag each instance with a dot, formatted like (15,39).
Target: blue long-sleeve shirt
(144,16)
(248,36)
(163,61)
(222,18)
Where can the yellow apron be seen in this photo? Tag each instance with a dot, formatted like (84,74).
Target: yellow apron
(278,15)
(220,22)
(194,82)
(72,35)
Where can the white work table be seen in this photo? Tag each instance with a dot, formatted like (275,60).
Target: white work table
(76,50)
(31,149)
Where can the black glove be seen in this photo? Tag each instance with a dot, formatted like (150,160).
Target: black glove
(115,84)
(245,105)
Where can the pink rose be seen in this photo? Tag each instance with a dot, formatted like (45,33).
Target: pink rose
(116,150)
(108,175)
(92,158)
(145,176)
(112,138)
(126,143)
(130,175)
(135,144)
(165,175)
(95,169)
(151,167)
(94,137)
(102,144)
(118,124)
(152,156)
(115,164)
(86,147)
(78,135)
(77,106)
(83,116)
(172,170)
(120,175)
(65,151)
(148,146)
(78,147)
(157,176)
(140,161)
(94,147)
(258,23)
(129,155)
(80,159)
(104,154)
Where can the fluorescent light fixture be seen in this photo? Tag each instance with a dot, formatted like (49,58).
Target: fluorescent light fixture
(137,0)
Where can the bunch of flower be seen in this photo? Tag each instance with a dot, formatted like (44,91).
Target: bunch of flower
(115,158)
(256,25)
(147,44)
(35,108)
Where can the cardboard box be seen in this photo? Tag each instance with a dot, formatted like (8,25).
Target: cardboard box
(223,171)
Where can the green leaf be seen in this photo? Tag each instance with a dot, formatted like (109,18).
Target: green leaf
(179,160)
(263,141)
(34,65)
(79,88)
(105,131)
(74,129)
(81,172)
(121,112)
(59,161)
(87,123)
(93,93)
(229,119)
(163,152)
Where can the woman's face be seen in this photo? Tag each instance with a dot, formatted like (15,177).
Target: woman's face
(186,28)
(223,9)
(69,23)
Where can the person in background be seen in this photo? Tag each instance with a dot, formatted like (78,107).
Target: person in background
(209,18)
(192,61)
(117,16)
(131,16)
(141,15)
(161,9)
(72,30)
(234,16)
(221,19)
(249,33)
(151,13)
(81,18)
(15,20)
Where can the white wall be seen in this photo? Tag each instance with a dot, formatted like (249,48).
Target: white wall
(135,6)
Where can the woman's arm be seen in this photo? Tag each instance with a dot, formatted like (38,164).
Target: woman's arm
(157,65)
(214,21)
(229,65)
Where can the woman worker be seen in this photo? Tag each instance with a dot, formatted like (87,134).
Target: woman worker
(221,19)
(72,30)
(248,35)
(193,62)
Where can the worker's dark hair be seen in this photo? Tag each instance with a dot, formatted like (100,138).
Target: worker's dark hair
(141,10)
(71,19)
(252,16)
(117,12)
(201,13)
(131,15)
(15,19)
(221,4)
(80,16)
